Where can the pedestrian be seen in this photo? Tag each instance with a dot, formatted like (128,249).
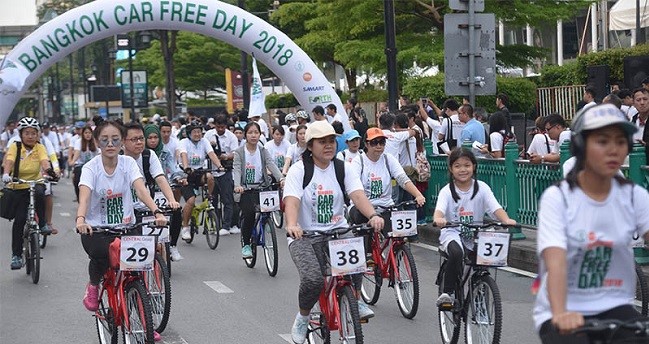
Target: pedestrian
(584,240)
(502,103)
(497,136)
(473,130)
(451,128)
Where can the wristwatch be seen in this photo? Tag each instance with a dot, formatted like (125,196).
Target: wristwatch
(542,158)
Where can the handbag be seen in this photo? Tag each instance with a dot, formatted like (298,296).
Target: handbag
(8,202)
(448,138)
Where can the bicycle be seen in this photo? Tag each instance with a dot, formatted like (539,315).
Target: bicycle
(478,301)
(278,215)
(394,261)
(204,214)
(158,280)
(605,331)
(264,233)
(337,307)
(123,298)
(32,232)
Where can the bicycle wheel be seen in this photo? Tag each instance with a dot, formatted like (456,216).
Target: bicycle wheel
(270,248)
(250,262)
(350,321)
(449,321)
(641,291)
(371,287)
(211,226)
(484,319)
(105,320)
(27,253)
(168,257)
(35,256)
(44,241)
(138,325)
(318,332)
(159,288)
(406,282)
(278,218)
(193,228)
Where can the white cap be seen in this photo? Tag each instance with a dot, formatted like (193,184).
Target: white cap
(601,116)
(318,130)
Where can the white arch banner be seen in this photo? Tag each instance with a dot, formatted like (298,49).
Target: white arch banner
(104,18)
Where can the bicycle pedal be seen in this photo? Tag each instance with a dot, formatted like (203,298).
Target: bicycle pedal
(364,321)
(445,307)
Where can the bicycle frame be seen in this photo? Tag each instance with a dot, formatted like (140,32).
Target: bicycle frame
(199,210)
(113,285)
(258,230)
(329,300)
(387,265)
(470,271)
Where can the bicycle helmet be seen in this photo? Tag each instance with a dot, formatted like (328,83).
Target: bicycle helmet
(290,117)
(191,126)
(302,114)
(28,122)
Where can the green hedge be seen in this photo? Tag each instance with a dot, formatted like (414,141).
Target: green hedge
(521,92)
(576,72)
(280,101)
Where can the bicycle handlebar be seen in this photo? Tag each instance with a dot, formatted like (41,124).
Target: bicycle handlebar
(123,228)
(482,225)
(360,228)
(36,181)
(261,187)
(593,326)
(397,206)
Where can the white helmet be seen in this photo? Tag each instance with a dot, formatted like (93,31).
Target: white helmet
(302,114)
(290,117)
(28,122)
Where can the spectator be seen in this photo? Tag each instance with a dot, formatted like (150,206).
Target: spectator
(641,103)
(319,113)
(589,97)
(502,101)
(627,103)
(613,99)
(473,130)
(541,145)
(341,145)
(332,114)
(359,120)
(497,136)
(451,129)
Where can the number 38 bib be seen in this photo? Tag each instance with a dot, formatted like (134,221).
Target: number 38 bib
(347,256)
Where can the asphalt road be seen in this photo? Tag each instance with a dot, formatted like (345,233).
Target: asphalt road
(215,297)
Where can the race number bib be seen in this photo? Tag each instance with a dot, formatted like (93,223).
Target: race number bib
(160,200)
(493,248)
(161,232)
(268,201)
(404,223)
(347,256)
(136,253)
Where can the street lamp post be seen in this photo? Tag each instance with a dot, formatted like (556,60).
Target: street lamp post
(391,54)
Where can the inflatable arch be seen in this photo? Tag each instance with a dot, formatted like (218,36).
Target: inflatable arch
(104,18)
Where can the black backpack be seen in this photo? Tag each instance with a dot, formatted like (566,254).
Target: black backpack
(339,167)
(146,167)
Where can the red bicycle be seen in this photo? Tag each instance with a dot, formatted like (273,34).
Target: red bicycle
(394,261)
(123,298)
(337,308)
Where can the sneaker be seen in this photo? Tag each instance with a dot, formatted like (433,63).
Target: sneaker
(46,230)
(445,301)
(223,232)
(16,262)
(246,251)
(235,230)
(364,310)
(156,336)
(421,222)
(90,299)
(299,330)
(184,233)
(175,255)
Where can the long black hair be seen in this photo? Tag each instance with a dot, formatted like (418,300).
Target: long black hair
(456,154)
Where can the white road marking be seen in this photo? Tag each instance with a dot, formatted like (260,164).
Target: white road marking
(65,214)
(56,204)
(508,269)
(218,287)
(287,337)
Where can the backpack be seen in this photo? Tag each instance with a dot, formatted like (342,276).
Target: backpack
(146,168)
(339,167)
(423,167)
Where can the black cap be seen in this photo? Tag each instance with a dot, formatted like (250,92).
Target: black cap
(45,125)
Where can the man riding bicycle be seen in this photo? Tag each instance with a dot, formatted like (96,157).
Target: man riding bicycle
(196,149)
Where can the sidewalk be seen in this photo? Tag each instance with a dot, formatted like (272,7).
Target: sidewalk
(522,253)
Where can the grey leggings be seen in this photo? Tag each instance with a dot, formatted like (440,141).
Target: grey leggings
(309,257)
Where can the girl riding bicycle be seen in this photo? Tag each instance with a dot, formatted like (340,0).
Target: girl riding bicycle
(105,199)
(463,199)
(294,153)
(317,207)
(84,150)
(585,227)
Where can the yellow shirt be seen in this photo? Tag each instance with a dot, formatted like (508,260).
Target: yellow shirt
(30,162)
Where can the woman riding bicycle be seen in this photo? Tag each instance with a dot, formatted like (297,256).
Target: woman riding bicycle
(318,207)
(294,153)
(105,189)
(33,159)
(586,224)
(463,199)
(249,169)
(84,150)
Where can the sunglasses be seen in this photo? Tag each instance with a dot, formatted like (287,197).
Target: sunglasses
(550,128)
(115,142)
(377,142)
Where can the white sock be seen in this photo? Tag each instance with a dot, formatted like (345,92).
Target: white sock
(301,317)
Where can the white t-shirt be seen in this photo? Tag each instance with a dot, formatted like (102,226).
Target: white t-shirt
(174,148)
(564,136)
(347,156)
(497,142)
(228,143)
(394,141)
(196,152)
(74,139)
(435,129)
(111,202)
(541,143)
(337,118)
(295,153)
(465,210)
(84,156)
(597,238)
(629,111)
(55,139)
(321,202)
(155,168)
(264,128)
(457,127)
(5,136)
(375,177)
(278,153)
(252,172)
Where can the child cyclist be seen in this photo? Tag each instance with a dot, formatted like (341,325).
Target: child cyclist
(464,199)
(585,228)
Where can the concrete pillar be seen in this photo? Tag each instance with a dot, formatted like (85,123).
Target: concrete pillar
(501,32)
(560,42)
(530,43)
(593,27)
(603,11)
